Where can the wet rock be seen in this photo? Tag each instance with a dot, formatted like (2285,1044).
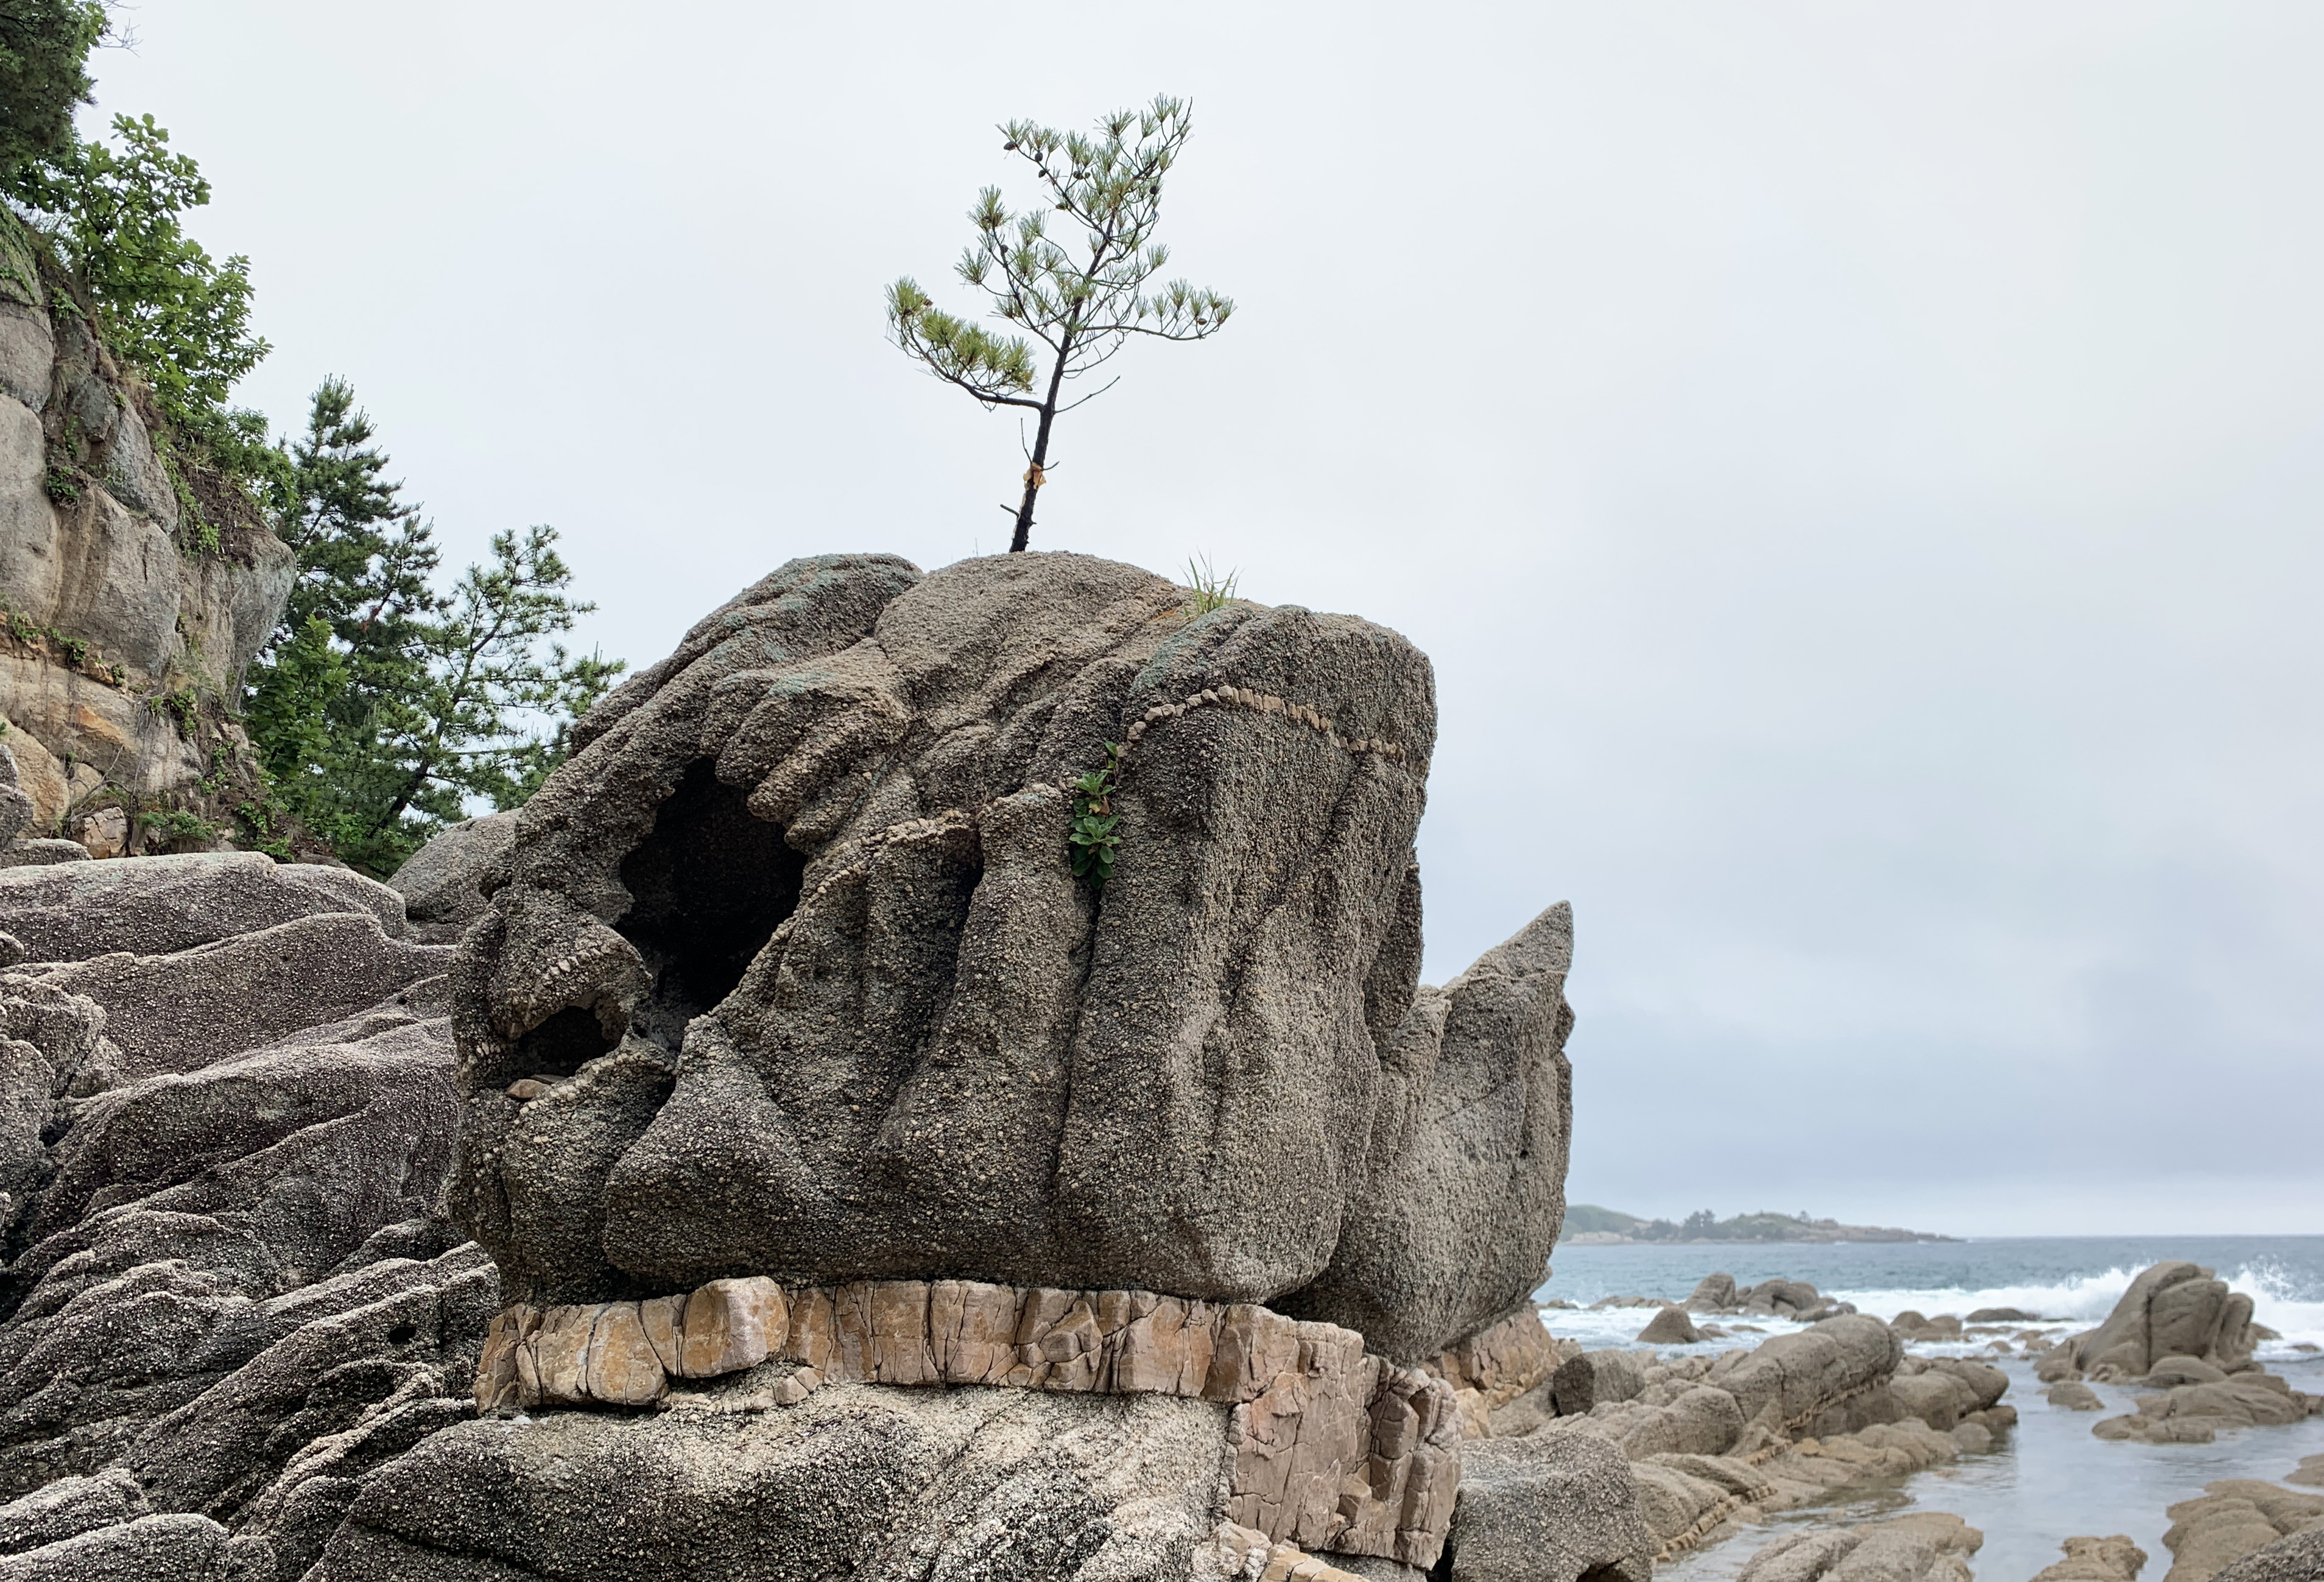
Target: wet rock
(1932,1546)
(2010,1315)
(2194,1414)
(2182,1370)
(2233,1518)
(1670,1327)
(2095,1559)
(2075,1396)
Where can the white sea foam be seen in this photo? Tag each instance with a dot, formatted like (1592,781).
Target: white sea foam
(2279,1301)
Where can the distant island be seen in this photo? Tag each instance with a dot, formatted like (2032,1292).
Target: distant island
(1588,1225)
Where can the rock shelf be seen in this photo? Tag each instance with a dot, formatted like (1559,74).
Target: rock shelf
(1333,1449)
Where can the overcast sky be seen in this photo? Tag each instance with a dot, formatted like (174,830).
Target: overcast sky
(1855,468)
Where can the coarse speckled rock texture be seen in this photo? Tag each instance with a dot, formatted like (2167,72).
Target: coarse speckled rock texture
(230,1290)
(447,883)
(2297,1559)
(1548,1508)
(1008,1486)
(792,977)
(155,906)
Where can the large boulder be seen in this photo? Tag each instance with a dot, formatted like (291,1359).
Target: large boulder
(2171,1309)
(790,974)
(1793,1380)
(153,906)
(445,884)
(1548,1508)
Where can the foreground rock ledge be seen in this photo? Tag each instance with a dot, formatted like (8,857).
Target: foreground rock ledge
(1332,1449)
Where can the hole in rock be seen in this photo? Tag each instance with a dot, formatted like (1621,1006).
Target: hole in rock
(402,1334)
(708,886)
(562,1044)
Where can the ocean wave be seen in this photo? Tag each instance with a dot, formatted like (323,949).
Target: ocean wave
(2281,1300)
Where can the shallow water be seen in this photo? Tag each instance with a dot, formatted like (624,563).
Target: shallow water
(2050,1478)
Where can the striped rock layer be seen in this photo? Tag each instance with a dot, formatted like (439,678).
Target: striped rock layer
(1334,1449)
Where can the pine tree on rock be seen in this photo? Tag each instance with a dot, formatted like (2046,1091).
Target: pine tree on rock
(1081,307)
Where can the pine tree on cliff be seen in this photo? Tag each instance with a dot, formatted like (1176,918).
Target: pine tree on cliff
(382,708)
(1081,307)
(44,47)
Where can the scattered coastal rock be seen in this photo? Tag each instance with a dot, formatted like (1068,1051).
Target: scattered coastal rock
(2195,1414)
(2238,1517)
(1924,1547)
(1795,1300)
(2173,1309)
(2074,1396)
(1670,1327)
(2095,1559)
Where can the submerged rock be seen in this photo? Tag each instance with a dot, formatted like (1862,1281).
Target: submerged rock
(2095,1559)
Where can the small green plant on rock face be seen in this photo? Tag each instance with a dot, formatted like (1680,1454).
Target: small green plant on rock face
(179,705)
(1095,835)
(1211,590)
(178,827)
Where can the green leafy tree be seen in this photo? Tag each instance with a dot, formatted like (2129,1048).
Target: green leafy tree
(44,47)
(1080,306)
(176,314)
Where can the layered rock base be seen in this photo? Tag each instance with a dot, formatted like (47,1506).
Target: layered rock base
(1333,1449)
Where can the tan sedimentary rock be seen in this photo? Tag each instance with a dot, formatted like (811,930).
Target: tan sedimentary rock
(1334,1449)
(1506,1358)
(730,1325)
(620,1366)
(2095,1559)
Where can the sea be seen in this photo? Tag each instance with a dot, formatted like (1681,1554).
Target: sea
(2049,1479)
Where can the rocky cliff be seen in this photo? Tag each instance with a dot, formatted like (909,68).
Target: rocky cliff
(135,587)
